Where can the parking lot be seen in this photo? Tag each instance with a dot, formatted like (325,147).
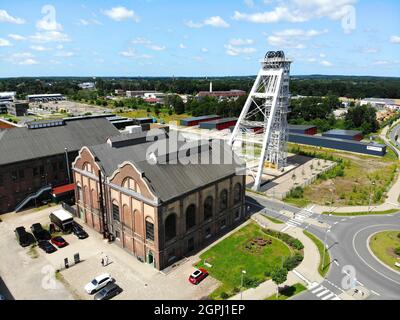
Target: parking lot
(30,273)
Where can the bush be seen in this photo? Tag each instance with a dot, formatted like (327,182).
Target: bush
(397,251)
(267,273)
(296,193)
(289,240)
(224,295)
(249,282)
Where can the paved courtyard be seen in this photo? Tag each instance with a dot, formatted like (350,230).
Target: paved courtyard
(138,280)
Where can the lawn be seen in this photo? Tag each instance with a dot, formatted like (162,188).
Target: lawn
(323,266)
(362,213)
(383,245)
(235,253)
(288,292)
(355,187)
(163,116)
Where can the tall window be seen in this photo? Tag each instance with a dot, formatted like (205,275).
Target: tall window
(223,200)
(190,217)
(80,193)
(170,227)
(208,208)
(115,212)
(149,230)
(237,193)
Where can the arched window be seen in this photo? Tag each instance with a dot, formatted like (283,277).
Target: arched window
(170,227)
(129,183)
(237,193)
(190,217)
(208,208)
(87,167)
(115,211)
(223,200)
(79,192)
(95,202)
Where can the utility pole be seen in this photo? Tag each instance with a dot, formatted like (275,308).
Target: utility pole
(241,284)
(101,206)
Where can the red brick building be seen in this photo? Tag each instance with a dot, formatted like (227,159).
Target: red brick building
(158,212)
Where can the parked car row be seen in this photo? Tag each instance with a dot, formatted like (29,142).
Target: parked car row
(105,287)
(44,239)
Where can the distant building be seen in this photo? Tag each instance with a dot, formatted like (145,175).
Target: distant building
(380,104)
(18,108)
(87,85)
(137,93)
(45,97)
(194,121)
(232,94)
(159,212)
(7,96)
(218,124)
(119,92)
(302,129)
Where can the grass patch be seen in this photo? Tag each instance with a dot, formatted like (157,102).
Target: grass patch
(323,265)
(384,245)
(298,202)
(236,253)
(288,292)
(362,213)
(163,116)
(354,185)
(274,220)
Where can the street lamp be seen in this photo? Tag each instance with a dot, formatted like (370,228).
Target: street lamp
(323,254)
(370,196)
(241,284)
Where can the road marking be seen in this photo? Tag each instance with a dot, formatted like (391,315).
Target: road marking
(336,298)
(335,262)
(336,222)
(323,293)
(318,289)
(365,262)
(328,296)
(374,292)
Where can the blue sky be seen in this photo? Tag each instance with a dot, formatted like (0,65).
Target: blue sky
(197,38)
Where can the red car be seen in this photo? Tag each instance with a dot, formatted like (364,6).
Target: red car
(198,275)
(59,242)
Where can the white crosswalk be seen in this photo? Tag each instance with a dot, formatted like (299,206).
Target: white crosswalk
(323,293)
(298,218)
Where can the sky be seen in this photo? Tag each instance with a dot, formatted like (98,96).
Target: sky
(197,38)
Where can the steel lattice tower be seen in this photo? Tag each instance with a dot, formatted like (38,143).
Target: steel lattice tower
(265,113)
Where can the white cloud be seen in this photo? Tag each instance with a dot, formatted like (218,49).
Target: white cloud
(148,44)
(299,11)
(5,43)
(64,54)
(326,63)
(50,36)
(235,51)
(395,39)
(131,53)
(249,3)
(215,21)
(142,41)
(85,22)
(49,21)
(39,48)
(293,38)
(5,17)
(121,13)
(16,37)
(182,46)
(240,42)
(23,58)
(205,50)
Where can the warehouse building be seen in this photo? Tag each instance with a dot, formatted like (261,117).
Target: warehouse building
(339,144)
(158,212)
(302,129)
(17,108)
(194,121)
(33,159)
(45,97)
(219,124)
(344,134)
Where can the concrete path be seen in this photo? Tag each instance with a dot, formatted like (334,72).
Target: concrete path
(306,273)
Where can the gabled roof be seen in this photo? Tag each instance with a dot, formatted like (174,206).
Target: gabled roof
(21,144)
(170,178)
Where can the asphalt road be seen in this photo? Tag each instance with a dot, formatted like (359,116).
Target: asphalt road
(347,246)
(395,132)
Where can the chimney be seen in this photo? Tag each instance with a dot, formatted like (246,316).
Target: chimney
(211,86)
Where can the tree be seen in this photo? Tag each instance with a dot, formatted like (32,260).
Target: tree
(279,276)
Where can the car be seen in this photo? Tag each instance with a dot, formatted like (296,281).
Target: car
(2,298)
(59,242)
(40,233)
(109,291)
(198,275)
(24,238)
(78,231)
(46,246)
(98,283)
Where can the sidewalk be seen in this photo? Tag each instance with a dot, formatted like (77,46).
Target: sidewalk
(306,273)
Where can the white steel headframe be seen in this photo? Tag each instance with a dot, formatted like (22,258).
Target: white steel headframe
(265,111)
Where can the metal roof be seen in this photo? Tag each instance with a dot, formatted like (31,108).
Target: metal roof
(21,144)
(170,179)
(300,126)
(219,121)
(342,132)
(200,118)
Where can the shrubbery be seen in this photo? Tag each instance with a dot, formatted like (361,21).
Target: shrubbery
(289,240)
